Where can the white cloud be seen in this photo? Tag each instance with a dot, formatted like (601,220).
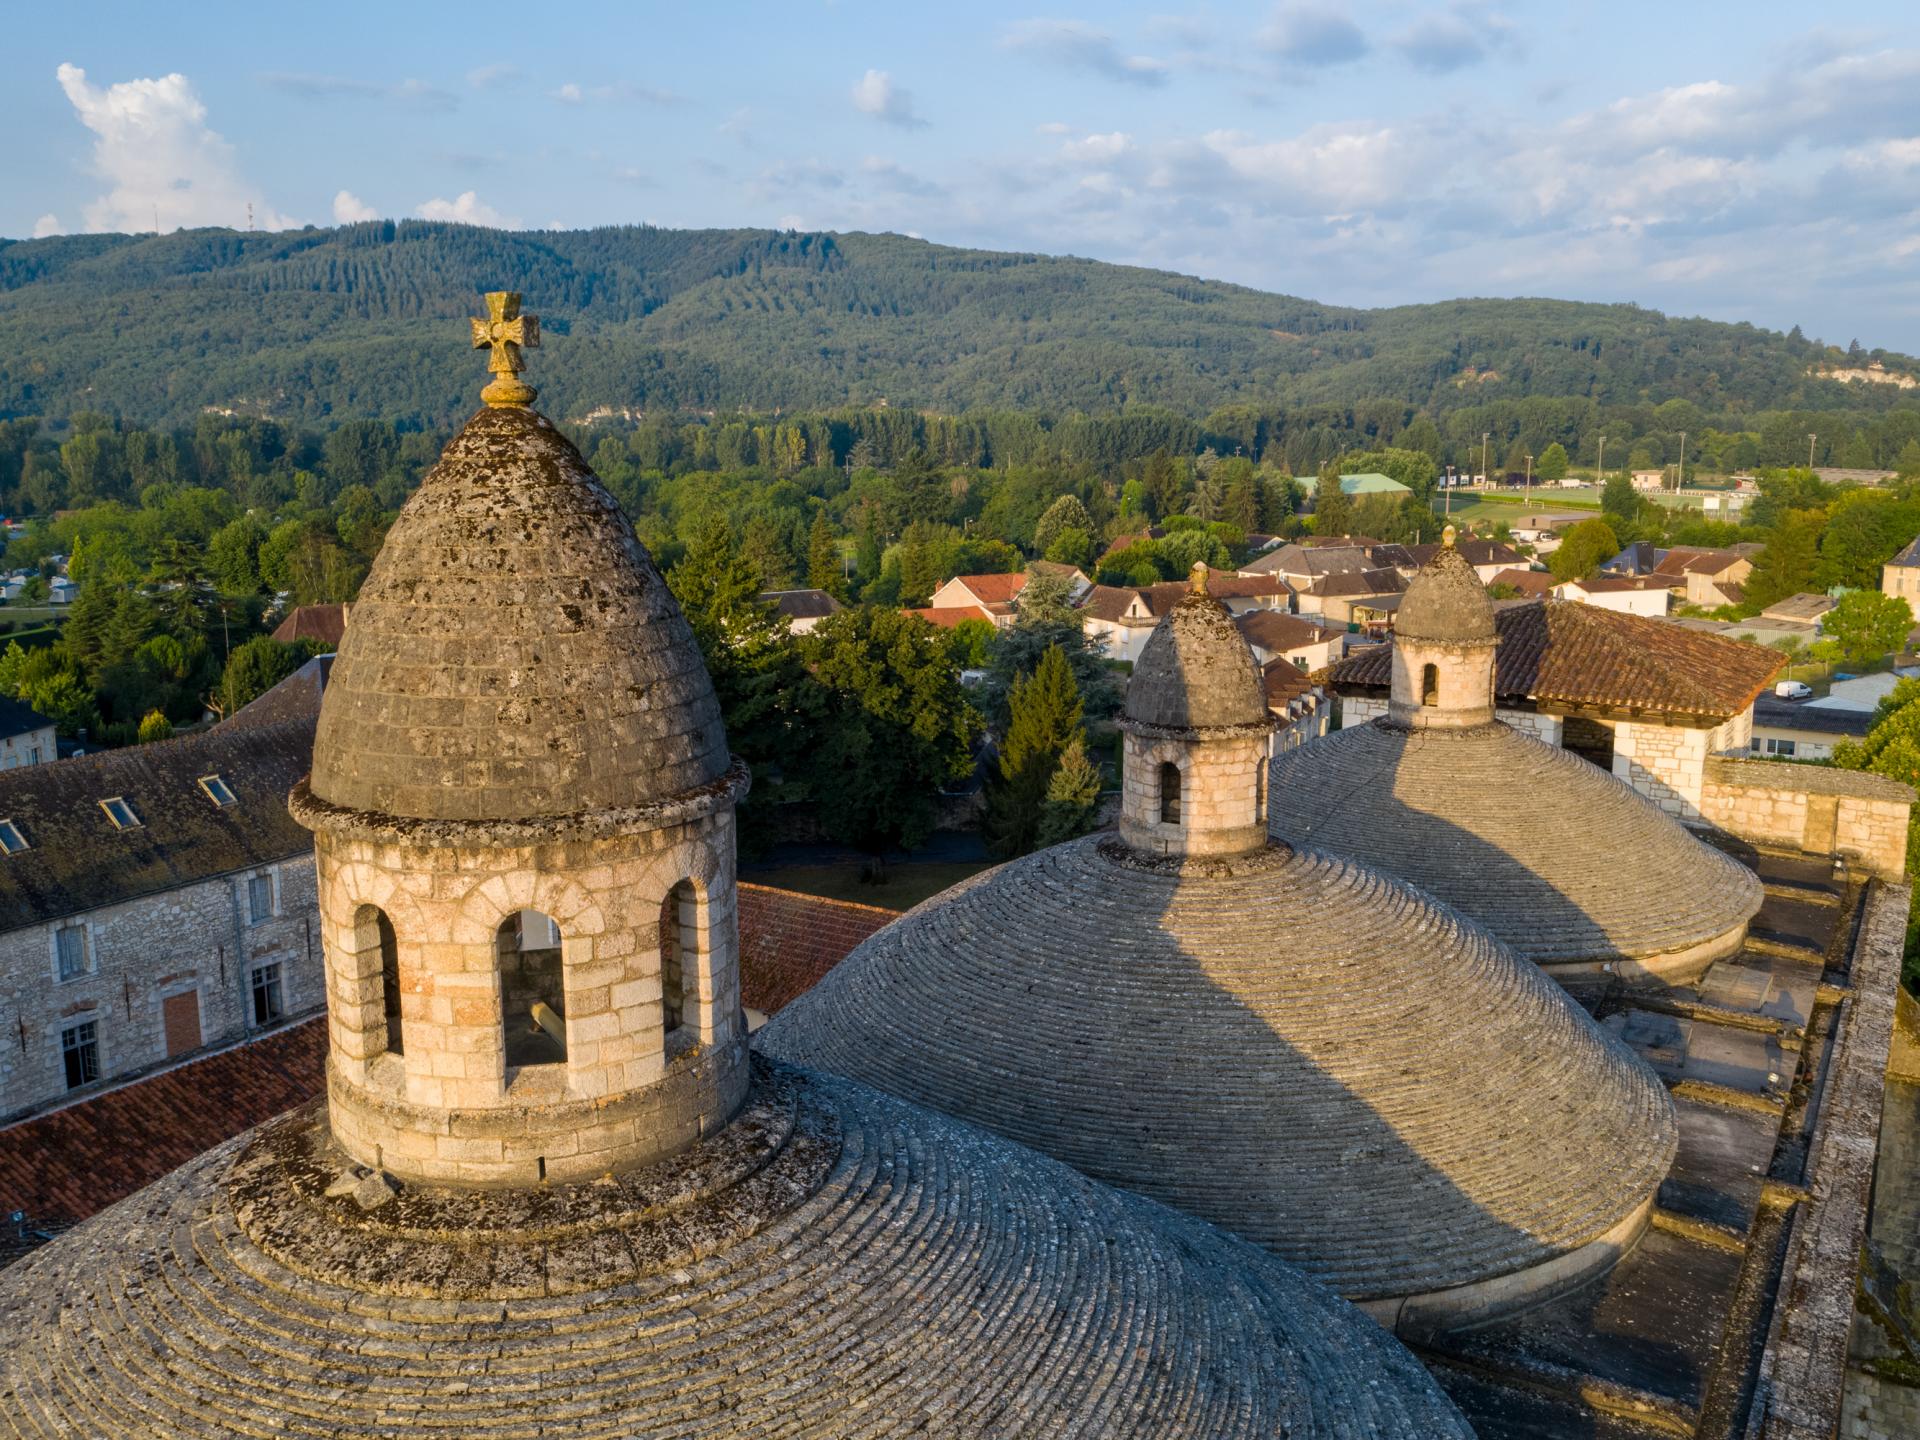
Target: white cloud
(492,77)
(1309,34)
(875,94)
(162,161)
(570,94)
(350,209)
(467,208)
(1098,149)
(48,224)
(574,93)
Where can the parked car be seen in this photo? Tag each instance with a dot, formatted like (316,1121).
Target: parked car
(1793,690)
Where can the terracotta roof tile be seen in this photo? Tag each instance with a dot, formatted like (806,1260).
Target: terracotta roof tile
(989,589)
(789,940)
(1563,652)
(948,616)
(1528,582)
(325,623)
(1285,682)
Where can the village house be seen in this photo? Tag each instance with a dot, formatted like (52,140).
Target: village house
(1275,635)
(1651,701)
(1542,529)
(1297,702)
(155,901)
(1300,564)
(1707,578)
(1122,616)
(1334,598)
(26,736)
(997,596)
(1487,557)
(804,609)
(1799,730)
(1629,594)
(1900,576)
(1532,584)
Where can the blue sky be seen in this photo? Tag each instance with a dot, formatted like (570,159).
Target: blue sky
(1717,159)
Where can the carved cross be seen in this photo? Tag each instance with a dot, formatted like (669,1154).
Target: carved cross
(504,332)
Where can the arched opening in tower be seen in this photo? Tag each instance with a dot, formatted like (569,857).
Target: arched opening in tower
(374,941)
(679,951)
(1169,793)
(533,1002)
(1430,685)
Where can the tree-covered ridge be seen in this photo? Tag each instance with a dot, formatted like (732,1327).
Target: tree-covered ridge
(308,326)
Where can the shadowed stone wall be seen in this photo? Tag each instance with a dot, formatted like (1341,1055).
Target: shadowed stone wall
(1806,807)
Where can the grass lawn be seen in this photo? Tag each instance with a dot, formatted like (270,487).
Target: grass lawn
(908,881)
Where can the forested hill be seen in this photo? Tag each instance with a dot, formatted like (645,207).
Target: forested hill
(366,322)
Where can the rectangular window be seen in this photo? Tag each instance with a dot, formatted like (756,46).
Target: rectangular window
(267,1006)
(80,1049)
(260,897)
(1781,747)
(12,842)
(217,790)
(72,944)
(120,813)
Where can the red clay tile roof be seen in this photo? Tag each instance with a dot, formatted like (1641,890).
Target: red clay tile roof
(992,589)
(68,1164)
(325,623)
(1285,682)
(1560,652)
(1360,582)
(1277,630)
(1528,582)
(789,940)
(948,616)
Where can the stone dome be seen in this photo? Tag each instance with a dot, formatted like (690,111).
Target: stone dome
(1446,603)
(1563,862)
(1298,1049)
(833,1264)
(1195,671)
(514,653)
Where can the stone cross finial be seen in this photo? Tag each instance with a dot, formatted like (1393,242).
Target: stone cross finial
(505,332)
(1446,537)
(1197,578)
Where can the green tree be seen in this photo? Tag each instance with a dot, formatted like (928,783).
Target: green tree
(971,642)
(1619,499)
(898,726)
(233,556)
(1583,549)
(1066,513)
(255,668)
(1164,484)
(154,725)
(1551,463)
(1044,717)
(64,698)
(824,571)
(1072,796)
(1867,626)
(1332,508)
(1785,567)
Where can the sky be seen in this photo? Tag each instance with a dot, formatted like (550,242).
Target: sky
(1727,160)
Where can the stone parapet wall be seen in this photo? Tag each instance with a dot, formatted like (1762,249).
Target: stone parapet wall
(1823,811)
(199,940)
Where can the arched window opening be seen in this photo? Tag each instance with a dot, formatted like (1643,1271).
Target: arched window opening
(390,982)
(1430,685)
(533,1004)
(1169,793)
(679,951)
(373,940)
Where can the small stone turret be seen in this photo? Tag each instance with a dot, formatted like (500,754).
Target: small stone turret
(522,805)
(1443,647)
(1197,735)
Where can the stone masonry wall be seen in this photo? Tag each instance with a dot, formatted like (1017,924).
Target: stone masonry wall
(1877,1408)
(1359,709)
(447,1108)
(198,940)
(1862,817)
(30,747)
(1223,795)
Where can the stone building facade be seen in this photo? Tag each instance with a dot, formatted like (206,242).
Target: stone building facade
(128,946)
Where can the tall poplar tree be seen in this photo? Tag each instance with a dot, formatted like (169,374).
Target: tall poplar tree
(1044,719)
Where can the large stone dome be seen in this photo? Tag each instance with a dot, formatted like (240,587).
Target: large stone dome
(514,654)
(1571,867)
(1311,1055)
(832,1264)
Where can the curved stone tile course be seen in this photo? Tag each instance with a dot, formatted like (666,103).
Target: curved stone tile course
(1298,1049)
(1557,858)
(892,1273)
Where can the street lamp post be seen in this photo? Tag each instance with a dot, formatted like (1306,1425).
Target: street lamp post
(1529,474)
(1680,476)
(1810,439)
(1485,473)
(1600,464)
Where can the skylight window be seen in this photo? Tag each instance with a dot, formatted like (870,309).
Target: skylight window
(12,842)
(120,813)
(217,790)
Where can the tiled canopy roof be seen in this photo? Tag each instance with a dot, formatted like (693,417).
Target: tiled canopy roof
(1562,652)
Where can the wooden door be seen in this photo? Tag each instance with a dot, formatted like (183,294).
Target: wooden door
(181,1016)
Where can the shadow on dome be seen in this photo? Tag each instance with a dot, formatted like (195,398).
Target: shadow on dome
(1476,818)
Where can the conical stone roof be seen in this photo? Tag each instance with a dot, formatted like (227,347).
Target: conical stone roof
(1446,603)
(834,1263)
(1557,858)
(1296,1048)
(485,677)
(1195,671)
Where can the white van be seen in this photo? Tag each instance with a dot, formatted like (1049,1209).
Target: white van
(1792,690)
